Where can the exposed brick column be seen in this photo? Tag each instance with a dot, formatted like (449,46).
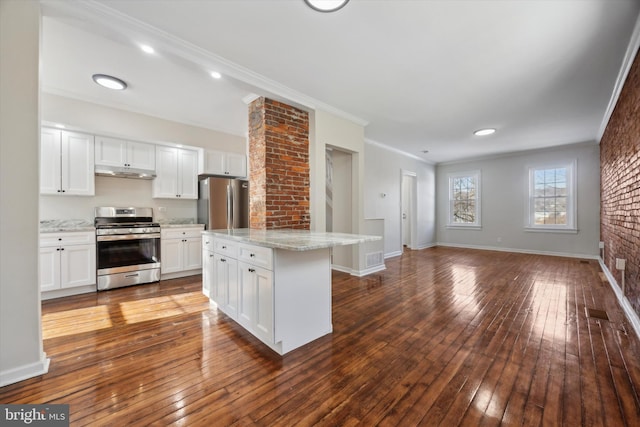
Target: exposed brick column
(620,186)
(279,165)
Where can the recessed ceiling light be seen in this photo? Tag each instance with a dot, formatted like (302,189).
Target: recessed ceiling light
(484,132)
(147,49)
(215,74)
(326,5)
(425,151)
(109,82)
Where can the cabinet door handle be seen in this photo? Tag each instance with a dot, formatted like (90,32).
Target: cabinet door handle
(223,260)
(252,255)
(62,249)
(210,255)
(224,247)
(252,270)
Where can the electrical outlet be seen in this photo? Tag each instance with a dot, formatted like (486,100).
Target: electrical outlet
(601,245)
(620,263)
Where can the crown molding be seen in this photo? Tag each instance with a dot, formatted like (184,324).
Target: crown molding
(627,62)
(398,151)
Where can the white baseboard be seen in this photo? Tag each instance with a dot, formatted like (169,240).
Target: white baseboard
(392,254)
(426,246)
(358,273)
(179,274)
(67,292)
(632,316)
(520,251)
(25,372)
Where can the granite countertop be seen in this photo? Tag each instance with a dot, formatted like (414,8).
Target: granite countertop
(60,225)
(178,223)
(293,240)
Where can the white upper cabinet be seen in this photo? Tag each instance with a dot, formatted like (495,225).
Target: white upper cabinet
(121,153)
(228,164)
(66,163)
(177,173)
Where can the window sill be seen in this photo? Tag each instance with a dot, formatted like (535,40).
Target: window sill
(551,230)
(464,227)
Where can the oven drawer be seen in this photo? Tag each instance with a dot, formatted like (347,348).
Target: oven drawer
(67,238)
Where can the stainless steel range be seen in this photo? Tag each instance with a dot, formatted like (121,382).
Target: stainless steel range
(127,247)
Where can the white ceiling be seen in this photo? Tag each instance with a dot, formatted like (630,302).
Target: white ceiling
(421,74)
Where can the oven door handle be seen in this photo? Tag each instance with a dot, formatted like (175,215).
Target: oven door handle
(115,237)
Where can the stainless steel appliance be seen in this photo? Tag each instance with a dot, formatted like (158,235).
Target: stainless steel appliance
(223,203)
(127,247)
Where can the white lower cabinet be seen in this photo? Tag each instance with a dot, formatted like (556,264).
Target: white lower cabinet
(241,289)
(282,297)
(67,260)
(181,251)
(256,300)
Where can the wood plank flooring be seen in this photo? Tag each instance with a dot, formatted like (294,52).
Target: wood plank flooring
(444,336)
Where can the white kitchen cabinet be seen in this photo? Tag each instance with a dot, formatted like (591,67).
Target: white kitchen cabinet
(181,251)
(67,260)
(225,284)
(177,173)
(222,163)
(66,163)
(122,153)
(255,311)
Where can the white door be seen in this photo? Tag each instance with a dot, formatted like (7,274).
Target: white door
(50,165)
(166,182)
(77,265)
(408,207)
(264,304)
(141,155)
(110,151)
(192,253)
(171,255)
(188,174)
(49,268)
(78,164)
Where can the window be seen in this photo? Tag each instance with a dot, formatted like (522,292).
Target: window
(464,199)
(552,198)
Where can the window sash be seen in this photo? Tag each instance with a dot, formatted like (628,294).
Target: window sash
(552,197)
(464,199)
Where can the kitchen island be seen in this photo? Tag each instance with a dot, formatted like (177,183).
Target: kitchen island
(274,283)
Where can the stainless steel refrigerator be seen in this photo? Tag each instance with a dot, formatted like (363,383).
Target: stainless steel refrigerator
(223,203)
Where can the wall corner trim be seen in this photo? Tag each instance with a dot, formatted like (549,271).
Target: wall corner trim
(631,315)
(25,372)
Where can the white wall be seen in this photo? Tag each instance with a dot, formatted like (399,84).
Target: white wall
(504,201)
(21,353)
(97,119)
(383,175)
(108,121)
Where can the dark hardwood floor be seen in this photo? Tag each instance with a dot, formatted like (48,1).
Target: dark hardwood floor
(444,336)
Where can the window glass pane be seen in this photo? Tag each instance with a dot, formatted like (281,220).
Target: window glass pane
(539,218)
(463,202)
(549,196)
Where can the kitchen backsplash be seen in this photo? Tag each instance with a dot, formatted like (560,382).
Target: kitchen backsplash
(116,192)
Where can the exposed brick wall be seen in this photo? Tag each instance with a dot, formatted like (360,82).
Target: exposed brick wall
(279,165)
(620,186)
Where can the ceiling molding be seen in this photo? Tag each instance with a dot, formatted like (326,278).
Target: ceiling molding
(398,151)
(94,12)
(629,56)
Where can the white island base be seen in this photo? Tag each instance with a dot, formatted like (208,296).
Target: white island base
(275,284)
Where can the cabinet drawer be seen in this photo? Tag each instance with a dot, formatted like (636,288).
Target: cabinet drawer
(256,255)
(69,238)
(207,243)
(225,247)
(180,233)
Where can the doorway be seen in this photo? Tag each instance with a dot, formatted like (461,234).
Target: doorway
(339,201)
(408,209)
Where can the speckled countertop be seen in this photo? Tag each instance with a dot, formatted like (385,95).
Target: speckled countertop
(178,223)
(293,240)
(59,225)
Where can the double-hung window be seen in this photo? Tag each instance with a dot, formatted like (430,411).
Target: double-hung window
(552,198)
(464,200)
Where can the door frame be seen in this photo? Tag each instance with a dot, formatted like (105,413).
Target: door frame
(412,223)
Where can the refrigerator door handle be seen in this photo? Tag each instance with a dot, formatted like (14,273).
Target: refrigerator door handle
(229,207)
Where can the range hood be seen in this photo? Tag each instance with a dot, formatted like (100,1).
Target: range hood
(122,172)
